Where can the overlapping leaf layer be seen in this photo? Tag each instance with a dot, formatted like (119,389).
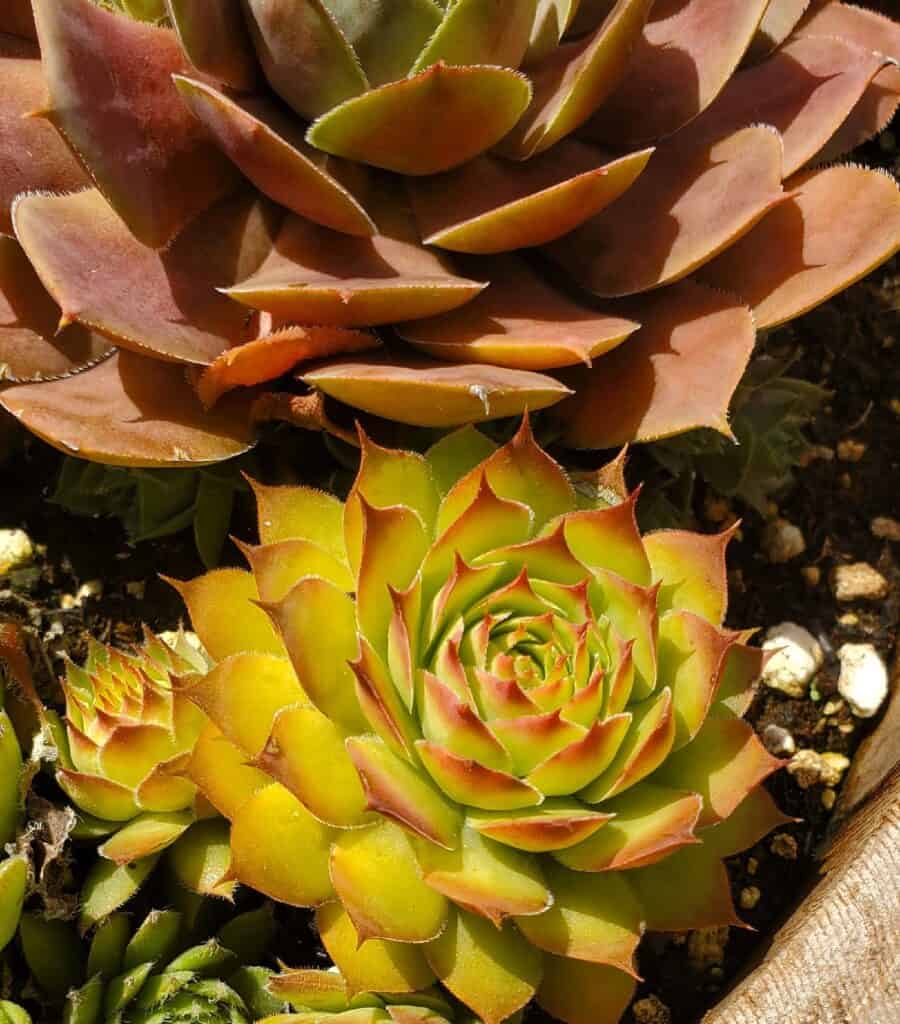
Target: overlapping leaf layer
(481,724)
(440,212)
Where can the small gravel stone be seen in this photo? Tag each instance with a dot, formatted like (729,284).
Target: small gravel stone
(858,581)
(885,528)
(782,541)
(749,897)
(136,589)
(809,768)
(706,947)
(863,681)
(832,707)
(828,798)
(850,450)
(651,1010)
(778,741)
(16,550)
(752,865)
(67,602)
(93,588)
(812,575)
(784,845)
(849,619)
(796,660)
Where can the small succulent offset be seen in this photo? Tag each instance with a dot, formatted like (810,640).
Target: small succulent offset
(122,750)
(489,731)
(152,975)
(440,212)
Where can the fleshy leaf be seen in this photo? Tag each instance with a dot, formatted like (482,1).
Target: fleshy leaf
(872,31)
(580,762)
(304,54)
(593,917)
(301,741)
(692,657)
(723,764)
(319,276)
(486,878)
(691,570)
(242,695)
(108,886)
(215,40)
(840,223)
(555,825)
(649,823)
(131,411)
(753,819)
(273,354)
(609,538)
(520,471)
(572,81)
(32,155)
(162,303)
(223,615)
(143,148)
(481,32)
(519,321)
(318,624)
(103,798)
(222,774)
(805,90)
(265,833)
(670,905)
(145,835)
(430,122)
(271,151)
(468,782)
(688,51)
(398,791)
(778,22)
(376,965)
(407,910)
(580,992)
(490,205)
(300,513)
(30,347)
(677,372)
(697,196)
(428,393)
(201,860)
(17,19)
(645,748)
(494,972)
(277,567)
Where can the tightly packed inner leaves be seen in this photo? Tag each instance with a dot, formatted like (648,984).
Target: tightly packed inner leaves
(433,212)
(489,731)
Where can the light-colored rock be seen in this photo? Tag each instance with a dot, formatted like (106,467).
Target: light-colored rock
(16,550)
(796,660)
(863,682)
(778,741)
(858,581)
(850,450)
(828,799)
(651,1010)
(812,575)
(93,588)
(706,947)
(750,896)
(885,528)
(782,541)
(809,768)
(784,845)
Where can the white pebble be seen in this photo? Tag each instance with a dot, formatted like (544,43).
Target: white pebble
(792,666)
(782,541)
(858,582)
(16,550)
(863,681)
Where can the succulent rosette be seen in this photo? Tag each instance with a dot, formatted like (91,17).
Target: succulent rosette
(438,213)
(126,739)
(481,724)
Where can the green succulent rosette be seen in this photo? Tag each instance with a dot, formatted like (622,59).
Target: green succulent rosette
(126,738)
(489,730)
(154,976)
